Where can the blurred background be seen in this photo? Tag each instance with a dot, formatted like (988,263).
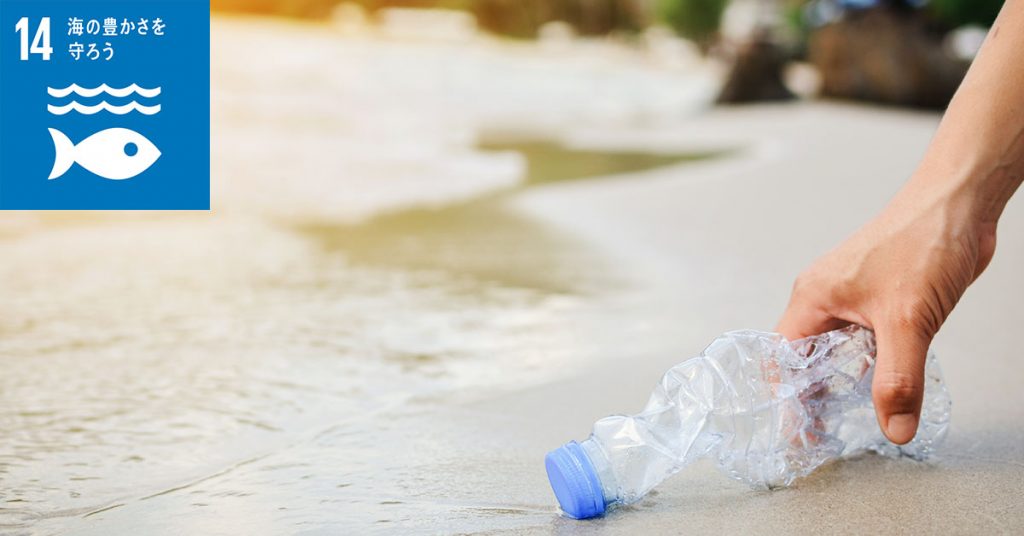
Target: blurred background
(446,236)
(909,52)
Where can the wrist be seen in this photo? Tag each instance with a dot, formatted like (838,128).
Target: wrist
(978,164)
(970,187)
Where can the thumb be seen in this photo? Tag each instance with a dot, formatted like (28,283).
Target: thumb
(898,385)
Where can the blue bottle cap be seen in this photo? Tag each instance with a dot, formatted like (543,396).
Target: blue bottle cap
(574,481)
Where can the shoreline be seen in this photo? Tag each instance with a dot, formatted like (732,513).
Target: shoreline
(691,250)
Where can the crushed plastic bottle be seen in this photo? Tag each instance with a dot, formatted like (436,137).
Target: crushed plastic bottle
(768,411)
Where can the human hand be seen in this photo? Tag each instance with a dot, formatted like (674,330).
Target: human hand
(900,275)
(903,272)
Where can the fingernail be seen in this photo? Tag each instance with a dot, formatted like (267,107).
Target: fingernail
(902,427)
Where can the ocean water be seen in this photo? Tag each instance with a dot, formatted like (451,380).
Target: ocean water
(137,359)
(262,368)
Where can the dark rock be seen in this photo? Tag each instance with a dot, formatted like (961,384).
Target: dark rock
(885,55)
(756,74)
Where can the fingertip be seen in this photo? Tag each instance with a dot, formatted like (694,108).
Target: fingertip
(898,386)
(901,427)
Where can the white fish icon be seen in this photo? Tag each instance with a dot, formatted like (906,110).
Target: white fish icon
(115,154)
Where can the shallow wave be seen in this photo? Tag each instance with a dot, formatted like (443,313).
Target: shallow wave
(113,92)
(103,106)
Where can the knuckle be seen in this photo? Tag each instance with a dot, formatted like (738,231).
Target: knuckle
(915,316)
(900,392)
(799,284)
(906,317)
(805,283)
(825,287)
(846,281)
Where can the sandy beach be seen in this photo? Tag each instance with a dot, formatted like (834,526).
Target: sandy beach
(403,367)
(682,243)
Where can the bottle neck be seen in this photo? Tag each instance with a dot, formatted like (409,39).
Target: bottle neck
(609,484)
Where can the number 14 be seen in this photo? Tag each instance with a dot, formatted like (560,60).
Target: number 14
(40,43)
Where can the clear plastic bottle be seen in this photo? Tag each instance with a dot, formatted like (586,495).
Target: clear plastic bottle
(767,410)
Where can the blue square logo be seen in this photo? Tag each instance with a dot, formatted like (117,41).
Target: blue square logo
(104,105)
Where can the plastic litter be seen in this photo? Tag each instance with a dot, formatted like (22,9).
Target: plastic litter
(766,410)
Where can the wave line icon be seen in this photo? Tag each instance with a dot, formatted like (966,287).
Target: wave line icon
(103,106)
(113,92)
